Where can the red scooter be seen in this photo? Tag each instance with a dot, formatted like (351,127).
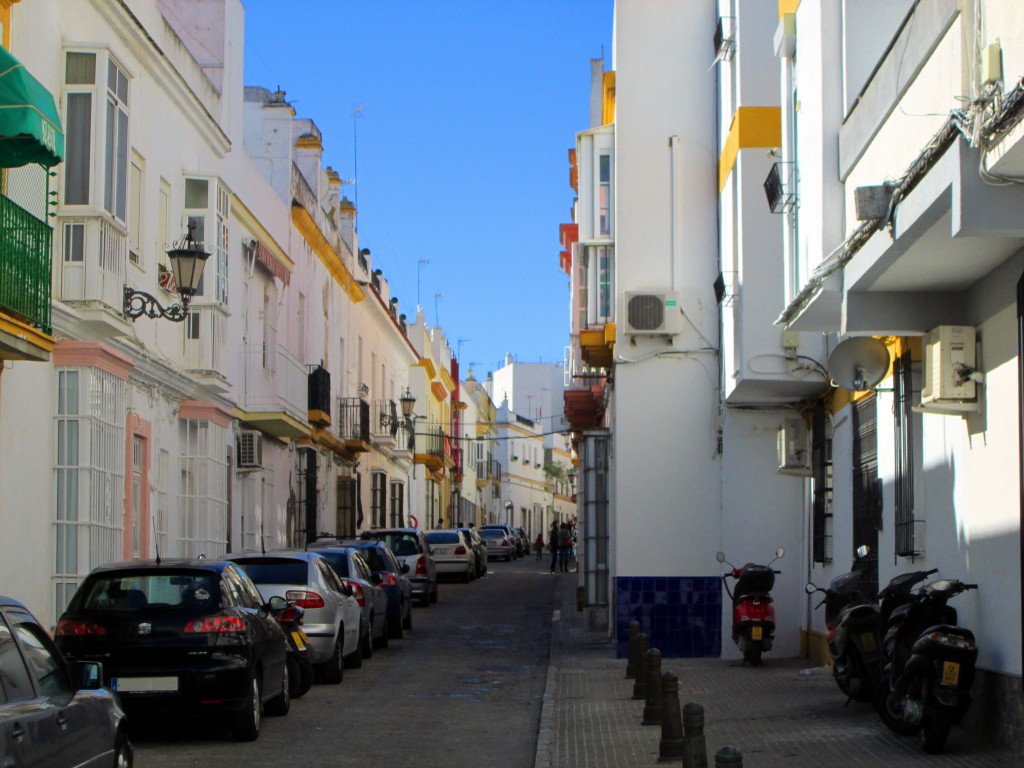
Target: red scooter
(753,613)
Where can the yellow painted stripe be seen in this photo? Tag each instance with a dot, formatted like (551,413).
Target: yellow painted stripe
(751,127)
(608,101)
(327,255)
(788,6)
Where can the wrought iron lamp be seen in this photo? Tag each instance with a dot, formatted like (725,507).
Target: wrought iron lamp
(187,261)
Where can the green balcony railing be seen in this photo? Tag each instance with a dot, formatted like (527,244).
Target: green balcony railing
(25,252)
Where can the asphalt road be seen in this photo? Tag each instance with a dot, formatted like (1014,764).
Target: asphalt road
(463,688)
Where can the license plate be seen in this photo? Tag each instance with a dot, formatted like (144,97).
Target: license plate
(950,672)
(301,641)
(144,684)
(867,639)
(755,633)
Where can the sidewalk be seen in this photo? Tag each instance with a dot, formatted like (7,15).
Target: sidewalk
(781,715)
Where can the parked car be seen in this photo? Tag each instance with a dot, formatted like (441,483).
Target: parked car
(348,563)
(510,534)
(332,615)
(479,548)
(53,712)
(181,636)
(411,548)
(390,576)
(499,543)
(453,553)
(524,539)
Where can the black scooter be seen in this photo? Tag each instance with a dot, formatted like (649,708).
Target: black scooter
(930,661)
(300,665)
(854,631)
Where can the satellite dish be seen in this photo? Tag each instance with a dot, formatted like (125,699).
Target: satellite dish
(859,363)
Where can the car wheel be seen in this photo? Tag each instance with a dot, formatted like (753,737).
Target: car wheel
(425,600)
(394,628)
(124,755)
(355,659)
(280,704)
(407,621)
(333,671)
(245,724)
(366,644)
(466,577)
(300,676)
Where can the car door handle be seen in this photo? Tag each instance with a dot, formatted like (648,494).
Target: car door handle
(17,732)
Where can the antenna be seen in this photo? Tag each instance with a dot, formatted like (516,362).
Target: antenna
(156,538)
(355,157)
(263,542)
(419,267)
(859,363)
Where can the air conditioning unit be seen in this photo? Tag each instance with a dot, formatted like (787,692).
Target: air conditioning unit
(950,356)
(250,450)
(794,451)
(652,313)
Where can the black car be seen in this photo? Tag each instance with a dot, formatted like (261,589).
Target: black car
(390,576)
(410,546)
(181,636)
(53,712)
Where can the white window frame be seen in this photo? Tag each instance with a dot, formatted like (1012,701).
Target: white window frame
(203,491)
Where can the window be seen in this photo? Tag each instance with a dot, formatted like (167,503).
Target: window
(821,471)
(79,85)
(74,242)
(345,519)
(604,194)
(138,453)
(903,387)
(203,488)
(397,504)
(207,205)
(135,214)
(116,135)
(16,685)
(597,285)
(378,499)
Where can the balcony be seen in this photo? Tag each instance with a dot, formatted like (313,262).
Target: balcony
(597,346)
(434,443)
(274,391)
(354,424)
(319,399)
(385,423)
(584,408)
(25,247)
(204,347)
(781,187)
(93,256)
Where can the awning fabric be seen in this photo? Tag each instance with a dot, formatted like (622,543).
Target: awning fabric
(30,130)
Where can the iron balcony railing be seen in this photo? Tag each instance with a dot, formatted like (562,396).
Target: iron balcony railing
(781,187)
(354,419)
(435,440)
(25,247)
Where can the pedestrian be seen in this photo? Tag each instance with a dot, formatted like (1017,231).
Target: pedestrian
(539,545)
(553,545)
(564,547)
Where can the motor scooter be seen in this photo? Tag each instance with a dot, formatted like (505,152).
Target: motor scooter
(753,613)
(853,619)
(300,665)
(930,661)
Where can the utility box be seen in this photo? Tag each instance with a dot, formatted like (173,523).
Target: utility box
(794,450)
(950,356)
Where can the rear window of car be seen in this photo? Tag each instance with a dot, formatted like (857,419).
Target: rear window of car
(374,558)
(133,592)
(443,537)
(338,561)
(492,533)
(276,571)
(403,544)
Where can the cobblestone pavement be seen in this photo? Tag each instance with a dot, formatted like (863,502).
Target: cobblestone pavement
(784,714)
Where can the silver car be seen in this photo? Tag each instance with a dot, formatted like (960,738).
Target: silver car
(453,553)
(332,614)
(499,543)
(53,712)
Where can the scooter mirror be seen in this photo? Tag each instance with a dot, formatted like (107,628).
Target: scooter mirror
(720,557)
(779,553)
(810,588)
(863,551)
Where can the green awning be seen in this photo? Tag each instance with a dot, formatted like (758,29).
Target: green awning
(30,129)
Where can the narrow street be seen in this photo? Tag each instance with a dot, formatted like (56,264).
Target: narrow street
(464,687)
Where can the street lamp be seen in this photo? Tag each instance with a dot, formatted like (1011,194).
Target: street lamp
(187,261)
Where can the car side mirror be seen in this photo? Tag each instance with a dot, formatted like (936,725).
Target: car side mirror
(810,588)
(276,604)
(86,675)
(720,556)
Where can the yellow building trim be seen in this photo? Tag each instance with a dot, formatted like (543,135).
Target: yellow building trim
(608,98)
(461,406)
(26,333)
(446,379)
(5,20)
(788,6)
(440,393)
(750,127)
(428,366)
(248,220)
(309,142)
(609,335)
(327,255)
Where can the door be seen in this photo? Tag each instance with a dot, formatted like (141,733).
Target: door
(867,492)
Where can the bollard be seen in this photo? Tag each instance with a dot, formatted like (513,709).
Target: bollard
(730,757)
(695,753)
(640,683)
(652,705)
(670,748)
(634,630)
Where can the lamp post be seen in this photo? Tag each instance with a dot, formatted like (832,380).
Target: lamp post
(187,261)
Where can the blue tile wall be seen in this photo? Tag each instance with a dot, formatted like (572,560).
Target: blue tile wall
(681,615)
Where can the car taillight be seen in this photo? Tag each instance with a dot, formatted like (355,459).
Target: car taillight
(421,566)
(215,625)
(504,543)
(460,550)
(78,628)
(357,593)
(304,599)
(290,614)
(388,579)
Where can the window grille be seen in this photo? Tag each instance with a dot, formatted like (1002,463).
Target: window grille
(903,387)
(781,187)
(821,473)
(202,493)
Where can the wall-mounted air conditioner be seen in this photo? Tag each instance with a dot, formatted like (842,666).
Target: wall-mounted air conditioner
(794,450)
(652,313)
(250,450)
(950,375)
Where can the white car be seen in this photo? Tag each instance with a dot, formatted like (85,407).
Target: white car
(453,553)
(332,614)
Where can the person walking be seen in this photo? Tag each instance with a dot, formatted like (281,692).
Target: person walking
(553,545)
(564,546)
(539,545)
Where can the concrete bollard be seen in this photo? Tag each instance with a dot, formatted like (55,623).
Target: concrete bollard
(695,752)
(634,630)
(652,704)
(729,757)
(670,748)
(640,683)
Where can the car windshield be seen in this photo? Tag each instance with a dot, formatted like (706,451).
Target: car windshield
(338,561)
(403,544)
(276,571)
(164,590)
(443,537)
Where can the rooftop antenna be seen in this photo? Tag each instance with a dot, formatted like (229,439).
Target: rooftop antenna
(436,297)
(458,347)
(419,267)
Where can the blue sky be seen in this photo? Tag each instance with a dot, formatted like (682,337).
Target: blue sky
(468,110)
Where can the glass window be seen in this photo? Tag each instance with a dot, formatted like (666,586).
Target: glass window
(77,148)
(15,684)
(604,194)
(135,215)
(116,139)
(284,571)
(43,660)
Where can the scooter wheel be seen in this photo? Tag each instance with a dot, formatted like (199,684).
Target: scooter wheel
(935,730)
(891,712)
(752,654)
